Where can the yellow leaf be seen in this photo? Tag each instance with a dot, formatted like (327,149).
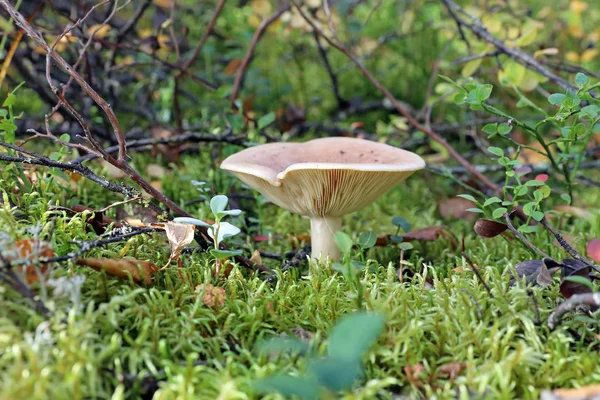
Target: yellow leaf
(577,6)
(572,56)
(101,31)
(261,7)
(470,67)
(588,55)
(528,34)
(254,20)
(513,72)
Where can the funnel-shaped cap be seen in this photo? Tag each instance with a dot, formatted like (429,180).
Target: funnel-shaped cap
(327,177)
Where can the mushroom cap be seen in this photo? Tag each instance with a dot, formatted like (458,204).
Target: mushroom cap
(327,177)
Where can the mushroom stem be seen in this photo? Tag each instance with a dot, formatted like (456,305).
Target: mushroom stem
(322,230)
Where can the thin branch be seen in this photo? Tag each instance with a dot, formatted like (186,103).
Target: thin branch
(239,77)
(590,299)
(520,56)
(401,109)
(568,248)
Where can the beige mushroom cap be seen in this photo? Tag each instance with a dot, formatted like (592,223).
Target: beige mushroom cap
(327,177)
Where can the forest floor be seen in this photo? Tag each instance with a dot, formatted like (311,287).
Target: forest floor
(445,334)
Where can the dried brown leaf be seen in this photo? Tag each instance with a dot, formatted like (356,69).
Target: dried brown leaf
(256,258)
(488,228)
(213,297)
(122,268)
(456,207)
(582,393)
(179,236)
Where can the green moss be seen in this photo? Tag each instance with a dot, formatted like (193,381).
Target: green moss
(123,332)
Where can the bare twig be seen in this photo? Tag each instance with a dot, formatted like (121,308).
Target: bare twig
(401,109)
(241,72)
(477,274)
(521,57)
(568,248)
(590,299)
(526,241)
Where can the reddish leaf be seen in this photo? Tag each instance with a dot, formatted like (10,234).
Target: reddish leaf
(425,234)
(542,177)
(488,228)
(593,249)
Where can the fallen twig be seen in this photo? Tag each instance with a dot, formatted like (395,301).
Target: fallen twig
(590,299)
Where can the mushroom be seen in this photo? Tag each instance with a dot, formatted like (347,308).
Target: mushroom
(323,179)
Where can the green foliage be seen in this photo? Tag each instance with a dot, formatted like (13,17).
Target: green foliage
(348,341)
(219,230)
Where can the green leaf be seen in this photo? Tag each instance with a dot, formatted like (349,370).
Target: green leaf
(529,208)
(405,246)
(278,345)
(10,101)
(343,241)
(336,374)
(459,98)
(491,200)
(490,129)
(353,334)
(222,254)
(528,228)
(484,92)
(218,203)
(65,137)
(581,79)
(468,197)
(591,111)
(401,222)
(266,120)
(534,182)
(557,98)
(234,213)
(581,280)
(366,240)
(303,387)
(225,230)
(450,81)
(498,212)
(578,130)
(396,238)
(537,215)
(475,210)
(496,151)
(566,197)
(504,128)
(193,221)
(538,195)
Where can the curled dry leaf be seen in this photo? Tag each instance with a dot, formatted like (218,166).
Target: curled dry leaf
(573,268)
(488,228)
(179,236)
(122,268)
(32,249)
(213,297)
(593,250)
(536,271)
(456,207)
(429,234)
(256,258)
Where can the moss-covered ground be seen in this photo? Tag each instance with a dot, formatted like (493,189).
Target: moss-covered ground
(123,340)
